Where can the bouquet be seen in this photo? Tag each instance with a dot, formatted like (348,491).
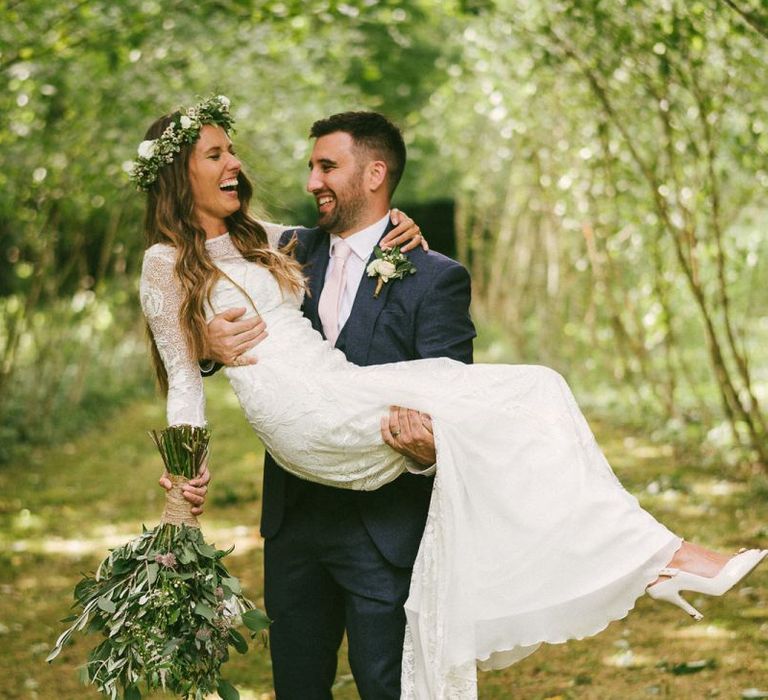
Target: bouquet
(164,602)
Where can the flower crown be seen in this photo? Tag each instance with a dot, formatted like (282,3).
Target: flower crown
(184,129)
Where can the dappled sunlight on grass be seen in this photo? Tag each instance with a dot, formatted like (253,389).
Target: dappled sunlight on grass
(717,488)
(703,631)
(63,509)
(247,694)
(642,451)
(244,539)
(629,659)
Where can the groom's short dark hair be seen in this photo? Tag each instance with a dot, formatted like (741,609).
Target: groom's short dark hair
(372,131)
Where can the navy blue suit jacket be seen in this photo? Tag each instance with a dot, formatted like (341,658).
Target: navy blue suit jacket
(423,315)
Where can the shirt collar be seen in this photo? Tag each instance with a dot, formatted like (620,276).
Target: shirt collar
(363,242)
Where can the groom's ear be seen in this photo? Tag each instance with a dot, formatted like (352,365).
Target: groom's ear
(376,175)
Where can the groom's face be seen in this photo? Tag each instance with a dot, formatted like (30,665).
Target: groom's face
(336,176)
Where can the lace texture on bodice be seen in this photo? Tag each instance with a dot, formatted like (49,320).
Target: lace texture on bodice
(161,299)
(297,397)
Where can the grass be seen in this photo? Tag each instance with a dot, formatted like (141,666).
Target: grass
(60,510)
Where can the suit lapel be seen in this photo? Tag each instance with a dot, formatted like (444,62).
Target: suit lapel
(315,267)
(355,337)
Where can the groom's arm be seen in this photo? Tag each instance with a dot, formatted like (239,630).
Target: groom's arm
(228,337)
(443,328)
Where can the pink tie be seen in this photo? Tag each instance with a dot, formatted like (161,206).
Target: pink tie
(330,297)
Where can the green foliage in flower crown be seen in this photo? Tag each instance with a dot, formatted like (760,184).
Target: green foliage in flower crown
(165,604)
(184,129)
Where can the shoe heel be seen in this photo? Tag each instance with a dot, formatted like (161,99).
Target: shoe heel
(685,605)
(669,592)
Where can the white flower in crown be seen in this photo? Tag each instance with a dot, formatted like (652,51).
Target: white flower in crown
(185,121)
(147,149)
(224,100)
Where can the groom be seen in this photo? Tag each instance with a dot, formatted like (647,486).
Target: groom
(339,560)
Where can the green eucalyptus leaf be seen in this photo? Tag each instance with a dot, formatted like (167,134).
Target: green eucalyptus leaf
(256,620)
(205,550)
(53,653)
(84,588)
(204,610)
(122,566)
(187,555)
(106,605)
(231,583)
(227,691)
(152,571)
(170,646)
(238,641)
(132,693)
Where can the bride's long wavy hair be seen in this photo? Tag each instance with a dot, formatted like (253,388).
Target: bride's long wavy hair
(170,218)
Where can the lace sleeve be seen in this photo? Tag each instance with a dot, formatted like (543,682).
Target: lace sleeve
(161,299)
(274,231)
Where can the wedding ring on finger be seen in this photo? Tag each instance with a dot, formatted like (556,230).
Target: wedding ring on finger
(395,432)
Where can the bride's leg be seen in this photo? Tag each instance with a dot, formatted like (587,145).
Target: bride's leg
(701,570)
(698,560)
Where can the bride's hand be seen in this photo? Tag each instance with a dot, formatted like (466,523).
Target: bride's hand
(406,233)
(195,490)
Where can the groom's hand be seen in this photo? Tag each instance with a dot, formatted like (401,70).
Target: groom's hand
(409,432)
(228,338)
(194,490)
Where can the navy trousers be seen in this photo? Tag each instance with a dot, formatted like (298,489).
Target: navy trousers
(325,574)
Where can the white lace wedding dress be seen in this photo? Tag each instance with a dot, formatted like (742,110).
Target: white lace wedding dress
(530,537)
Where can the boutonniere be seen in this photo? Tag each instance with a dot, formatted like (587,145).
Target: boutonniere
(389,265)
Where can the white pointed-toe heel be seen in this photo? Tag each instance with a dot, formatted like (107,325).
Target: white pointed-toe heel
(734,570)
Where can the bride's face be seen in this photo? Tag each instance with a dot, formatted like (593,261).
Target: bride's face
(213,171)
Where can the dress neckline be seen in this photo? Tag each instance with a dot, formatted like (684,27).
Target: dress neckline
(219,245)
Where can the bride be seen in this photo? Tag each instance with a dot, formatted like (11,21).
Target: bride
(530,537)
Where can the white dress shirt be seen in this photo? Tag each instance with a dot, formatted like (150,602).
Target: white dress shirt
(362,244)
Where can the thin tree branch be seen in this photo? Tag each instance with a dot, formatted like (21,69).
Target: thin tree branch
(759,24)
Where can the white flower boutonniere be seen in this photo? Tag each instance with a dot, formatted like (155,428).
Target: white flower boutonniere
(389,265)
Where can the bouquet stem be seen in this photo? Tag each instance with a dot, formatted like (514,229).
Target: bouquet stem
(178,510)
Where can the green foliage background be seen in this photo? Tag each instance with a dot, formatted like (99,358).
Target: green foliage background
(607,161)
(606,165)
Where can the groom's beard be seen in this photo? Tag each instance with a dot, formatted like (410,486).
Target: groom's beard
(348,208)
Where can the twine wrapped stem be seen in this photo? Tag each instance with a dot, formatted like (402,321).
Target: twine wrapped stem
(178,510)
